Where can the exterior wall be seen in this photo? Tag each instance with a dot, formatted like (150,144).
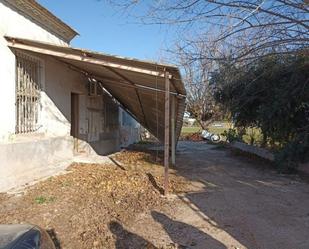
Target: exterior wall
(14,24)
(26,157)
(103,128)
(98,125)
(58,84)
(7,92)
(27,160)
(98,115)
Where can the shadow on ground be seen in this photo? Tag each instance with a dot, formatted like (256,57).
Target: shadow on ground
(52,234)
(239,202)
(248,202)
(155,184)
(184,235)
(128,240)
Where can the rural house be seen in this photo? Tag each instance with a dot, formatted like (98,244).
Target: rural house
(58,102)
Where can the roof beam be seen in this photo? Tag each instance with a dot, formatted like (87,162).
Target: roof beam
(121,83)
(15,43)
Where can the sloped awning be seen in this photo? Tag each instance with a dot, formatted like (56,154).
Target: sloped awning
(138,85)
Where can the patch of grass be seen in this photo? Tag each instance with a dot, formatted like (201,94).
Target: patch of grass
(252,136)
(191,129)
(42,199)
(217,130)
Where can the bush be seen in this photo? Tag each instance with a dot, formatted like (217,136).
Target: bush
(231,135)
(271,94)
(293,153)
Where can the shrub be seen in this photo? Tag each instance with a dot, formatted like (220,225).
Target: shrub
(231,135)
(271,94)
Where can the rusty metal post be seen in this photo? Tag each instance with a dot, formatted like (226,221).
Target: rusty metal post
(173,137)
(166,132)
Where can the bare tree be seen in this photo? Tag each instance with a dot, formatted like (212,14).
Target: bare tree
(268,26)
(197,74)
(215,31)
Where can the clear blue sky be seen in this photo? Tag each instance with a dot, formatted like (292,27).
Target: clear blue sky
(103,29)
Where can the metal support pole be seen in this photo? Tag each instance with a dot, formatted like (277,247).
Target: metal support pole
(166,132)
(173,138)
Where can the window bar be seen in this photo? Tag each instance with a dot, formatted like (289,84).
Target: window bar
(26,97)
(36,96)
(17,94)
(22,96)
(30,97)
(27,94)
(32,92)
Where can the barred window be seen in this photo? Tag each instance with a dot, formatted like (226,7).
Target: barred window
(27,94)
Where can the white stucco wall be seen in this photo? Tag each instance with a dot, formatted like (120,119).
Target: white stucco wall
(60,81)
(14,24)
(26,157)
(7,92)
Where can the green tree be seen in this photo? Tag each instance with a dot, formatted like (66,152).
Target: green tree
(273,95)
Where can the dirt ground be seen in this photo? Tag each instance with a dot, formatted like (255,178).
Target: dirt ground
(218,200)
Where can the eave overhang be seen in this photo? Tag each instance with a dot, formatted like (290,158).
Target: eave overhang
(138,85)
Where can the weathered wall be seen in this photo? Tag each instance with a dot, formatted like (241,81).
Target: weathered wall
(25,157)
(7,92)
(14,24)
(60,81)
(27,160)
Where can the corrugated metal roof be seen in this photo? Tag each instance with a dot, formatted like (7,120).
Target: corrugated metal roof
(138,85)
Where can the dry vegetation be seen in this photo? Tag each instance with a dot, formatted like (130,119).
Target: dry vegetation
(90,205)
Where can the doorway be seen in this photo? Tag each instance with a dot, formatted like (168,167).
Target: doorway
(75,119)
